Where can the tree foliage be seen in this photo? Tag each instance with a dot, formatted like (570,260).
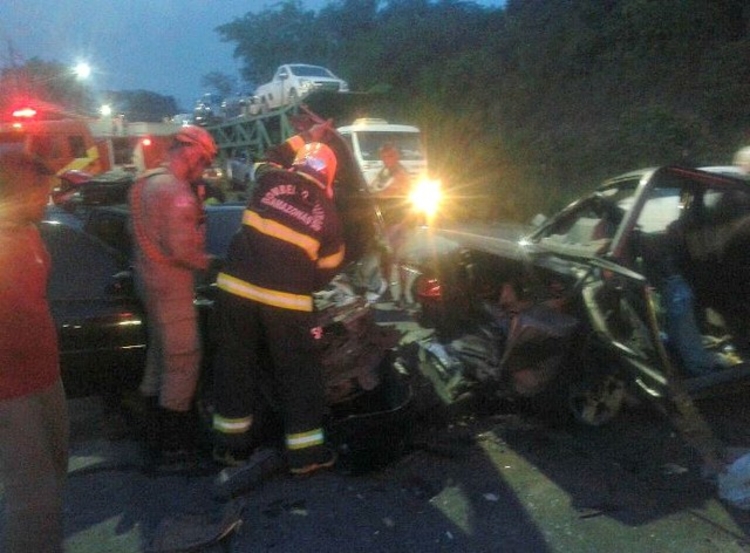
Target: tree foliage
(225,85)
(523,105)
(527,105)
(142,105)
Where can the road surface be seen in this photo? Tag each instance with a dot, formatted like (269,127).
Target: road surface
(472,481)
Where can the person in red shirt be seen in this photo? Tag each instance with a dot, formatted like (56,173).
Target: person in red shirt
(33,411)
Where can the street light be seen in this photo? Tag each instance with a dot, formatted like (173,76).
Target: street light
(82,70)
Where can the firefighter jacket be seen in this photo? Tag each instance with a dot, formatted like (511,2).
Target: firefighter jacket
(168,225)
(290,243)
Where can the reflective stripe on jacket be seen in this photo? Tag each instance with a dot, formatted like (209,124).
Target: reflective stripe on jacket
(290,243)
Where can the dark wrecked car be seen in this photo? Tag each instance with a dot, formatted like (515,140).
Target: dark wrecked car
(102,337)
(101,322)
(641,286)
(102,325)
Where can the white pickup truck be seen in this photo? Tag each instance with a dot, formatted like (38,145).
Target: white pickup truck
(294,81)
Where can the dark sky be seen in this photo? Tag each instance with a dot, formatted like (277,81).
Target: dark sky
(164,46)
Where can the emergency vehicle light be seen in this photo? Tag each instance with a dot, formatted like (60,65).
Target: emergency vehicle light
(24,112)
(146,141)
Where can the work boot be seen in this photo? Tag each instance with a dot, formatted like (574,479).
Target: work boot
(142,413)
(230,457)
(233,450)
(177,450)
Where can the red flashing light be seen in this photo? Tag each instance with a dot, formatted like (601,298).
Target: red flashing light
(146,142)
(26,113)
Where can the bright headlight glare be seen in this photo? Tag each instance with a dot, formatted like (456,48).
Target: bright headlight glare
(426,195)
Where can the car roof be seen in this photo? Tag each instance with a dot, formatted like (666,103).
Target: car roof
(730,170)
(721,172)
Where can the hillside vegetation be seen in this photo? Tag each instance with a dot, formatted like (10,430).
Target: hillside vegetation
(527,105)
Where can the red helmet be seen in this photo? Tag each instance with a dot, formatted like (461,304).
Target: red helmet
(197,136)
(318,161)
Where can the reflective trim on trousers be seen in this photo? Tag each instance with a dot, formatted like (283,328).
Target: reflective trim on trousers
(302,440)
(232,426)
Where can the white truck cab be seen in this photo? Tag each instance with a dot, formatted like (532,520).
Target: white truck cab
(367,135)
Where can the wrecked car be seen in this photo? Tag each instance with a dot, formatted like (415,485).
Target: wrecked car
(640,287)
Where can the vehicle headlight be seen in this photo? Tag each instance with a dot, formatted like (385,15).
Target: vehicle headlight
(344,86)
(306,85)
(425,196)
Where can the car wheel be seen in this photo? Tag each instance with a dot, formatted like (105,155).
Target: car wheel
(597,402)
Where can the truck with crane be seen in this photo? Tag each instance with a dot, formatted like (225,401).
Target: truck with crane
(244,139)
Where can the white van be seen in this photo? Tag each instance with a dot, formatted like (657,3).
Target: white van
(366,136)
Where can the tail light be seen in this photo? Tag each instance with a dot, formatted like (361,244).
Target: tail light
(428,289)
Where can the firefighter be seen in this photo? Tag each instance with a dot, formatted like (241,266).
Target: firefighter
(168,226)
(289,246)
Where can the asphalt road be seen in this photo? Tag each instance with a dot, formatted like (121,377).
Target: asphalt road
(481,480)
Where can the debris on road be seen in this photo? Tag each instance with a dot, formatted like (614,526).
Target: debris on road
(734,483)
(193,532)
(234,481)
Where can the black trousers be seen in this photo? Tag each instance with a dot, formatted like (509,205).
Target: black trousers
(267,358)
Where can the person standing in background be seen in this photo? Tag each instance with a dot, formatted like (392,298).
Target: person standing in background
(33,412)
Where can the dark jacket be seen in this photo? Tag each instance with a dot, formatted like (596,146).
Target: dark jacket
(290,243)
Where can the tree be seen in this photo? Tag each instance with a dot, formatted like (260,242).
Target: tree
(225,85)
(539,99)
(283,34)
(44,81)
(143,105)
